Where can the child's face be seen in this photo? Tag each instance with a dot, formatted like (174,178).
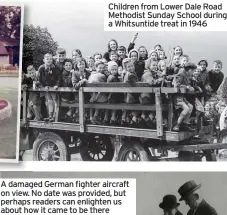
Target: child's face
(81,66)
(121,53)
(68,66)
(91,63)
(97,57)
(154,56)
(120,70)
(157,49)
(183,61)
(176,60)
(113,46)
(154,66)
(217,67)
(75,56)
(162,55)
(134,56)
(31,73)
(207,107)
(142,52)
(114,70)
(100,68)
(114,57)
(130,67)
(178,51)
(203,66)
(105,64)
(163,66)
(61,57)
(48,60)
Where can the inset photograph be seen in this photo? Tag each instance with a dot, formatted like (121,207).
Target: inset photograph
(11,22)
(119,96)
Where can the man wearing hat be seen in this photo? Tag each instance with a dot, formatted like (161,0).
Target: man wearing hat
(170,205)
(190,194)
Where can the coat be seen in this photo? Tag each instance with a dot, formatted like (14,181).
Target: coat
(203,209)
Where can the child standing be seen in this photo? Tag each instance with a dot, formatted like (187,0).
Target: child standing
(183,79)
(112,46)
(49,76)
(97,77)
(121,51)
(91,63)
(34,97)
(79,78)
(61,55)
(67,82)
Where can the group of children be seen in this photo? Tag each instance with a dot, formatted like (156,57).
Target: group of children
(121,65)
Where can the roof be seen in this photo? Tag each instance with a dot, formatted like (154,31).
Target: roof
(3,50)
(9,41)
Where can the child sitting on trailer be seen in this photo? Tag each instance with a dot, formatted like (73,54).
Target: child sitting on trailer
(183,80)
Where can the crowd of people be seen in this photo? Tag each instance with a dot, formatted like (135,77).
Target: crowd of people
(156,68)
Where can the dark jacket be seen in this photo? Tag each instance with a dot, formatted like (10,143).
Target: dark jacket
(49,77)
(67,82)
(178,213)
(215,80)
(203,209)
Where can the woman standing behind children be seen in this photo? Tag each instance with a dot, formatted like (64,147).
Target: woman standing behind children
(49,76)
(112,46)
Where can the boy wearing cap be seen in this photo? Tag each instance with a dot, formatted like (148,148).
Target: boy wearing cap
(183,80)
(190,194)
(169,205)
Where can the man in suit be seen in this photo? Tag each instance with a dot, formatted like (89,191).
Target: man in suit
(190,194)
(169,205)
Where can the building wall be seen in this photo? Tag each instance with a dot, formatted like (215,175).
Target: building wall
(4,60)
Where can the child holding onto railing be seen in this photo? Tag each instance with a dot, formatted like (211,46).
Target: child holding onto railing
(61,55)
(98,76)
(113,97)
(154,78)
(67,82)
(49,76)
(34,102)
(130,77)
(183,80)
(80,77)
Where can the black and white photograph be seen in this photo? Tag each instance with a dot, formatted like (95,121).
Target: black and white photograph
(161,193)
(11,23)
(95,95)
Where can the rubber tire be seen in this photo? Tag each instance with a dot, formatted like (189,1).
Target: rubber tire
(211,156)
(143,152)
(64,156)
(85,145)
(188,156)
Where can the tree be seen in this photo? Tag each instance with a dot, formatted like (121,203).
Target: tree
(37,42)
(10,21)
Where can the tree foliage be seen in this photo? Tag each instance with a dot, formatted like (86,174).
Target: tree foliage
(10,21)
(37,42)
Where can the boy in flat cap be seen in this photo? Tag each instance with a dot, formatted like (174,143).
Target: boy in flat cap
(169,205)
(189,192)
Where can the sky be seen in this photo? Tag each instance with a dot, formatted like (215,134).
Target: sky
(151,187)
(80,24)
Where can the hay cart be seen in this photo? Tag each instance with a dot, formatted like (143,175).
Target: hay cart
(57,141)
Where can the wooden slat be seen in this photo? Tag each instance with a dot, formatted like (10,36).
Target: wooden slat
(159,119)
(57,108)
(122,106)
(123,131)
(24,106)
(81,110)
(119,89)
(170,113)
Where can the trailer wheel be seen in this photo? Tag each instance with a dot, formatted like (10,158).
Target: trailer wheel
(210,156)
(50,147)
(97,148)
(133,150)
